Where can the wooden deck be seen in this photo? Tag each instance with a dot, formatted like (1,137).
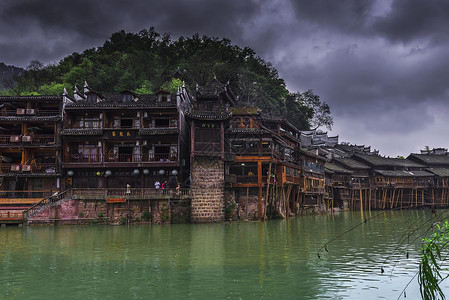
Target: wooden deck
(11,217)
(16,201)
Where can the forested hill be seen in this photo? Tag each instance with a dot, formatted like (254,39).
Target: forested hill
(7,74)
(147,61)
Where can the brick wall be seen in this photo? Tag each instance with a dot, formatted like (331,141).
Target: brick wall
(207,190)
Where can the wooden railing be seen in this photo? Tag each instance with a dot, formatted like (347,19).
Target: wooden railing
(294,179)
(120,158)
(36,139)
(247,179)
(25,194)
(129,193)
(315,190)
(32,168)
(47,201)
(29,113)
(11,216)
(83,158)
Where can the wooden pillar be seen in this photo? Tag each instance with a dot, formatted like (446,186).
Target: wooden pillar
(268,191)
(361,199)
(259,196)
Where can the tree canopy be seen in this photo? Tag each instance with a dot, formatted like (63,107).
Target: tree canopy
(148,61)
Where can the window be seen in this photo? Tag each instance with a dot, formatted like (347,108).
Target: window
(88,121)
(91,99)
(162,123)
(126,123)
(127,98)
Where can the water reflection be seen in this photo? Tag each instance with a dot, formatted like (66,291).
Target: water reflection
(276,259)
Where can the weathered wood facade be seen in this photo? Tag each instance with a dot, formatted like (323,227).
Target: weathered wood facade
(30,149)
(125,140)
(230,162)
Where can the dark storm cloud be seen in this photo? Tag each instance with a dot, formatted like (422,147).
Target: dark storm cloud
(411,20)
(56,28)
(382,65)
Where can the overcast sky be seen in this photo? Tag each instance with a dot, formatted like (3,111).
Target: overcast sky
(382,66)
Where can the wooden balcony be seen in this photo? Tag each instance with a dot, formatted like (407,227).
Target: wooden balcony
(292,179)
(34,169)
(82,158)
(11,217)
(247,179)
(27,140)
(314,190)
(159,131)
(27,113)
(79,158)
(23,197)
(129,194)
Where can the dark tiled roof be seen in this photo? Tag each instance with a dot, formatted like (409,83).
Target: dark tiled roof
(336,169)
(212,90)
(244,130)
(30,118)
(54,174)
(116,101)
(442,172)
(403,173)
(430,159)
(82,131)
(379,161)
(209,115)
(352,163)
(31,98)
(158,131)
(245,111)
(311,154)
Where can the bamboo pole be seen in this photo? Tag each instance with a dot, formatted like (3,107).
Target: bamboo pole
(361,200)
(246,207)
(268,192)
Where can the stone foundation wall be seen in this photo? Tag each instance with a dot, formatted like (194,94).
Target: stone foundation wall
(247,208)
(78,211)
(207,190)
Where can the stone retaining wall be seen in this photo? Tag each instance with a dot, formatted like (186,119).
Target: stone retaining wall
(77,211)
(207,190)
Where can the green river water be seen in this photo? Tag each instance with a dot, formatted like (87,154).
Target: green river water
(270,260)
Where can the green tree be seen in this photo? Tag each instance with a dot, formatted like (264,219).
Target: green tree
(172,85)
(321,110)
(429,275)
(147,61)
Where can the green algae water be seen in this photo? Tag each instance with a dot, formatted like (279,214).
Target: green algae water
(271,260)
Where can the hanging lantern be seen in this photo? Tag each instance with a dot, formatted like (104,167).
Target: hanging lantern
(161,172)
(108,173)
(136,172)
(174,172)
(146,171)
(70,173)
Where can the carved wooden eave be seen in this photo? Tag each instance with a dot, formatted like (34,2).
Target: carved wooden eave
(245,130)
(82,131)
(32,98)
(158,131)
(209,115)
(50,174)
(31,118)
(115,101)
(213,90)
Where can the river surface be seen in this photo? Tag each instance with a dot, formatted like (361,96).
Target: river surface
(271,260)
